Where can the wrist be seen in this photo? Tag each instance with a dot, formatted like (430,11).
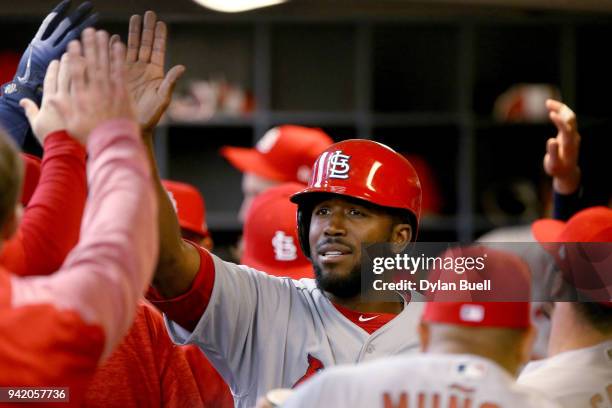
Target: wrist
(567,184)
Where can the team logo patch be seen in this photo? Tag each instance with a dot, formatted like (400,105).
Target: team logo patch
(10,88)
(339,166)
(314,366)
(268,141)
(284,248)
(472,313)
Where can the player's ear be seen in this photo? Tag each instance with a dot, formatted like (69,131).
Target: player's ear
(401,235)
(424,336)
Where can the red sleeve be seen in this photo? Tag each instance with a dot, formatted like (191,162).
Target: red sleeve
(43,346)
(51,222)
(188,308)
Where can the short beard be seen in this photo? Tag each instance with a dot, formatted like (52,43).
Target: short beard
(341,287)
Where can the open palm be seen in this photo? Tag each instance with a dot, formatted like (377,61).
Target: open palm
(149,86)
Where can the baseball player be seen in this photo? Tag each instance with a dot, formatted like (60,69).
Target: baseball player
(190,211)
(69,321)
(473,350)
(284,154)
(271,242)
(578,372)
(263,332)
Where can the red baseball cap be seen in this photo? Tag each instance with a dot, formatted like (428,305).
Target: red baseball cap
(586,267)
(31,177)
(505,305)
(189,206)
(270,234)
(284,153)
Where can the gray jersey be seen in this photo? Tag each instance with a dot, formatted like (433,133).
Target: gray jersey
(263,332)
(576,379)
(426,380)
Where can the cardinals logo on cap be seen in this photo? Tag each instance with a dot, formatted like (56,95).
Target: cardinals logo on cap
(339,165)
(268,141)
(284,247)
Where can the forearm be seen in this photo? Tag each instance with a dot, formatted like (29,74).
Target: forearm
(51,222)
(104,276)
(178,261)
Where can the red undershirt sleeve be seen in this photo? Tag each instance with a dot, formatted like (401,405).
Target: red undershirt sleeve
(188,308)
(51,222)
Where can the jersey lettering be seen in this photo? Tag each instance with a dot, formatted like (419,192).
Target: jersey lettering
(388,402)
(314,366)
(425,400)
(597,400)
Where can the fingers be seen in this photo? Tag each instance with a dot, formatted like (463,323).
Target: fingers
(89,51)
(114,38)
(552,151)
(134,38)
(80,14)
(159,44)
(146,40)
(30,108)
(562,125)
(562,116)
(103,57)
(63,77)
(50,82)
(118,54)
(52,20)
(167,85)
(76,66)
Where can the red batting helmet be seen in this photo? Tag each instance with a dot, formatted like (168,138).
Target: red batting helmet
(365,170)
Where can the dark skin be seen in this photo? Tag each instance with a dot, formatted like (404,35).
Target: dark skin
(338,228)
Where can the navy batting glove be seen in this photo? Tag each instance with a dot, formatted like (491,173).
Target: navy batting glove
(49,43)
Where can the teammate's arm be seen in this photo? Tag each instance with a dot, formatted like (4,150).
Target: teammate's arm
(151,89)
(561,160)
(50,226)
(102,279)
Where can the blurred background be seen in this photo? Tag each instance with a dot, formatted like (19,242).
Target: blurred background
(458,86)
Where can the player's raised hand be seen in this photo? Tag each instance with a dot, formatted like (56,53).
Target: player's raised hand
(561,158)
(98,91)
(47,118)
(150,87)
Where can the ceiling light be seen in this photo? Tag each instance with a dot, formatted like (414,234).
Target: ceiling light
(235,6)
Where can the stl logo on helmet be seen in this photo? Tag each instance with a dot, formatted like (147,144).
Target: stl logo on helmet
(339,165)
(284,247)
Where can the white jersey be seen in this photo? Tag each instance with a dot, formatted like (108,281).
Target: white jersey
(576,379)
(263,332)
(418,381)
